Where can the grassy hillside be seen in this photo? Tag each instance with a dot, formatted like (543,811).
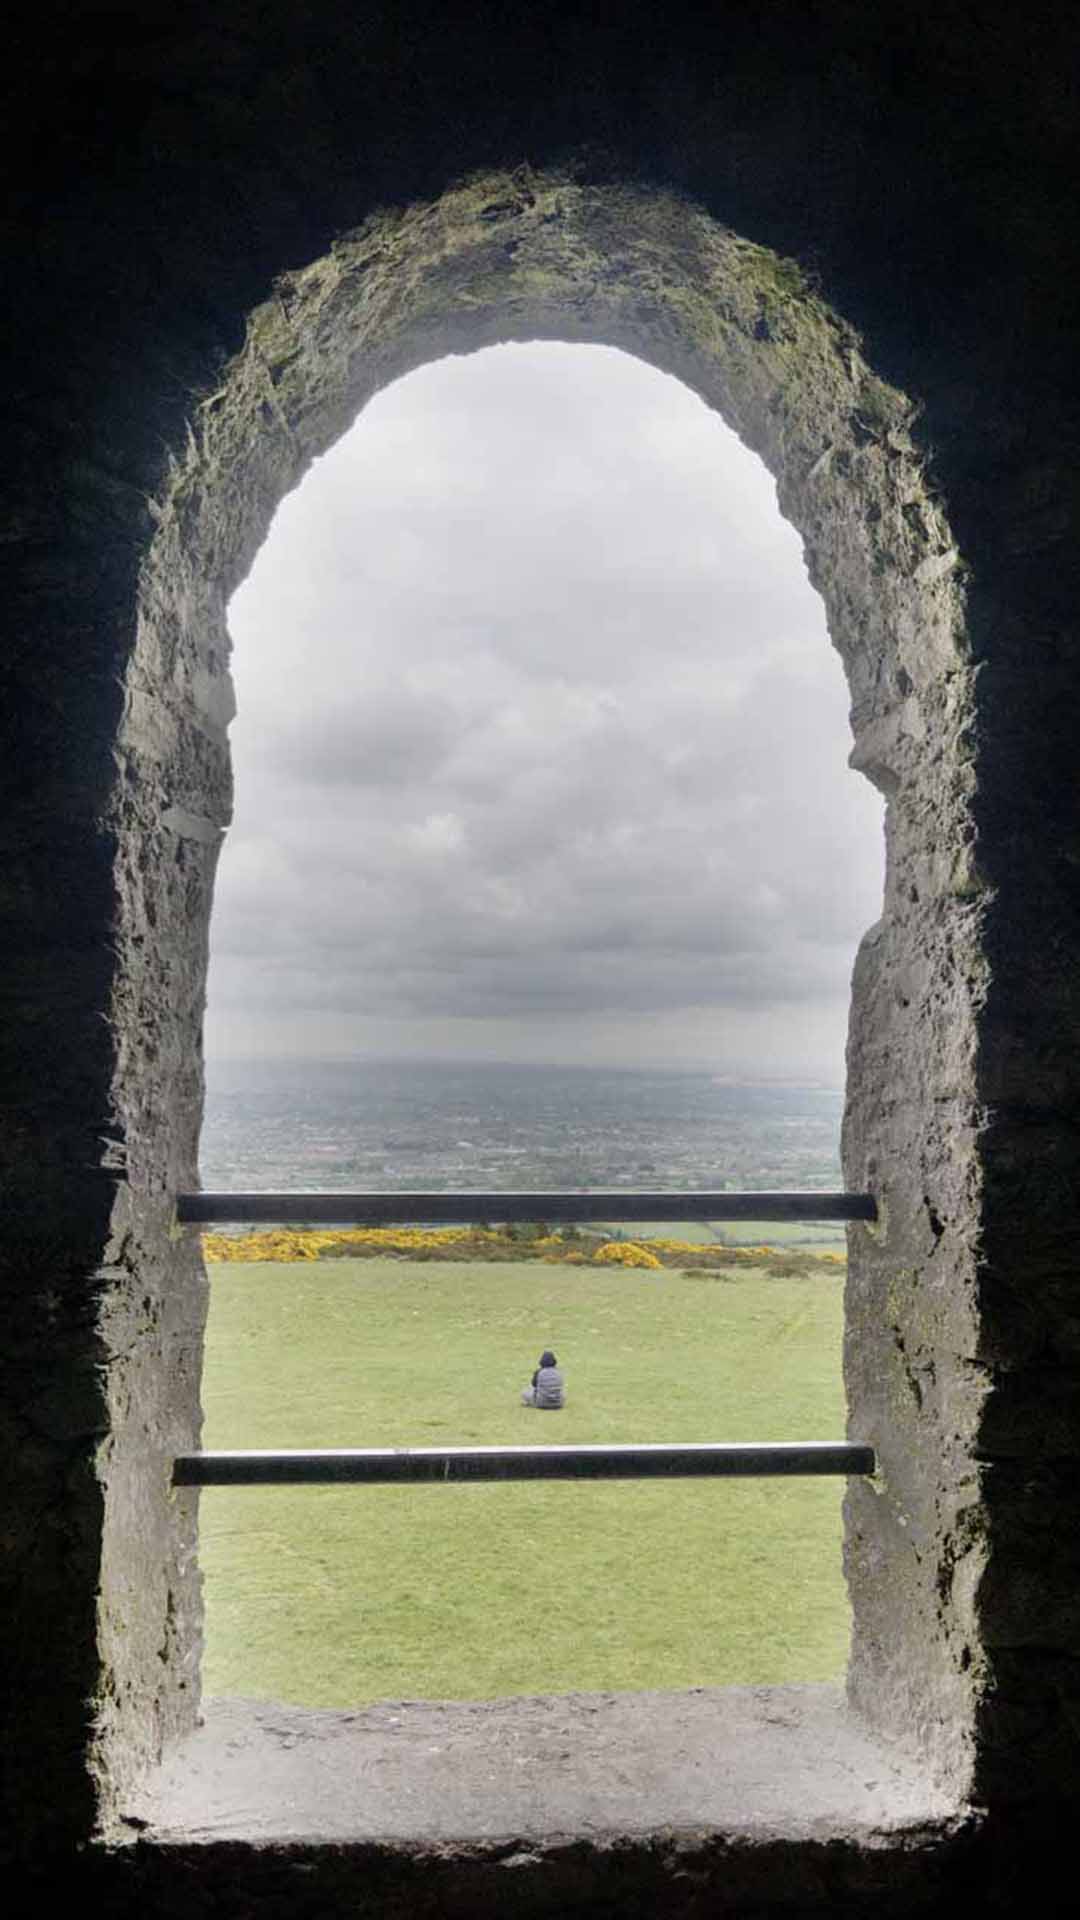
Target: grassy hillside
(344,1595)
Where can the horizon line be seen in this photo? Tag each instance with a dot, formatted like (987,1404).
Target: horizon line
(793,1077)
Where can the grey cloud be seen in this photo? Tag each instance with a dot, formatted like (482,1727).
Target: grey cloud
(580,984)
(527,732)
(387,739)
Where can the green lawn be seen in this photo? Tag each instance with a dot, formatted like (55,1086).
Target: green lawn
(336,1596)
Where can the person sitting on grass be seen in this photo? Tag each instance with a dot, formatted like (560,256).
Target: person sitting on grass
(548,1387)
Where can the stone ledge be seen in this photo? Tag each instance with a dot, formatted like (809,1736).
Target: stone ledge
(741,1763)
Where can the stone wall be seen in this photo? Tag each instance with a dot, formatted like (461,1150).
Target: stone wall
(164,391)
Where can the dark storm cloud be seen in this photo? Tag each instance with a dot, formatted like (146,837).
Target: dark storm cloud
(538,721)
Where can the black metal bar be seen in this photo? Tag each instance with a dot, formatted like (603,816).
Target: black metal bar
(450,1209)
(396,1465)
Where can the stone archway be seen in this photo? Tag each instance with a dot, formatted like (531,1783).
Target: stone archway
(525,256)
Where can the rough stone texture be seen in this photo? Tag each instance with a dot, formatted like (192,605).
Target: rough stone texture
(528,255)
(788,1762)
(415,180)
(744,1801)
(687,1875)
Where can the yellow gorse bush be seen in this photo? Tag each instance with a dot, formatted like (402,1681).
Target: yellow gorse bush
(624,1253)
(308,1243)
(679,1247)
(466,1243)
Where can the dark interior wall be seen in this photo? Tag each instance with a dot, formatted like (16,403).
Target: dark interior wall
(920,161)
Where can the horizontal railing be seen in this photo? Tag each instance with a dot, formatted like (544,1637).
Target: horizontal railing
(455,1209)
(407,1465)
(396,1465)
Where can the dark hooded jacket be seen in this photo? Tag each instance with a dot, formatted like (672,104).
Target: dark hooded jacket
(548,1382)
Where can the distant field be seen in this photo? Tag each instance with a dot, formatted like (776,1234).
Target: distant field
(804,1236)
(344,1595)
(816,1236)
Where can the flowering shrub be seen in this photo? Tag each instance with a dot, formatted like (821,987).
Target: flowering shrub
(679,1247)
(276,1245)
(624,1253)
(577,1249)
(311,1243)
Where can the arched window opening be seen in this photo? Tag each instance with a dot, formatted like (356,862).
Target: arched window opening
(548,257)
(546,871)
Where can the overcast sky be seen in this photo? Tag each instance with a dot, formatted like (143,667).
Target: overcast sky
(541,746)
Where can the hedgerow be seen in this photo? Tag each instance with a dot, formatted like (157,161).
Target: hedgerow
(576,1248)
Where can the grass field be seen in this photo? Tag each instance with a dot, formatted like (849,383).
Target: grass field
(337,1596)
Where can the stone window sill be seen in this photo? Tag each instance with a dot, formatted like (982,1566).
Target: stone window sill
(788,1763)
